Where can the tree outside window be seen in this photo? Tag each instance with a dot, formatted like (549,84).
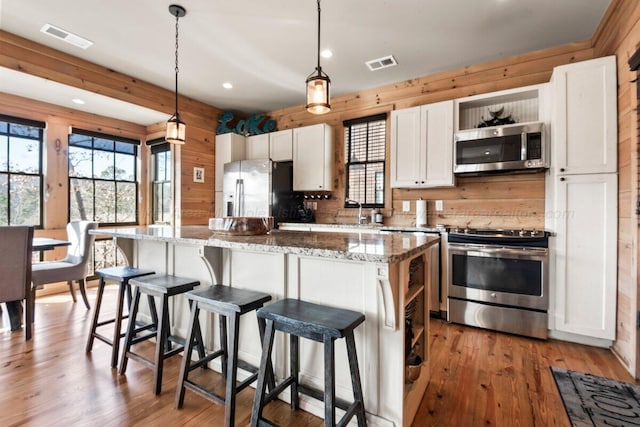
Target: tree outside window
(102,178)
(21,171)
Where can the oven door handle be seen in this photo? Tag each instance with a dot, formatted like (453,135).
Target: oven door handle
(489,251)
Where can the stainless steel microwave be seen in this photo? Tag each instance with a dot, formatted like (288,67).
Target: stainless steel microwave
(501,148)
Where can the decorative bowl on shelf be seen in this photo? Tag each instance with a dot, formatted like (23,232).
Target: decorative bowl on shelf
(241,225)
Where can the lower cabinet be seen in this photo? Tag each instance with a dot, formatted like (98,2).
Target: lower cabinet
(585,248)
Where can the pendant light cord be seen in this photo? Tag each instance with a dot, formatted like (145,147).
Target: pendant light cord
(319,68)
(177,70)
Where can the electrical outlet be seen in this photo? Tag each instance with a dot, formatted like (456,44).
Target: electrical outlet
(439,207)
(406,206)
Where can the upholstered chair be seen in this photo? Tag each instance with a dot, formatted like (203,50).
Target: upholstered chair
(73,267)
(15,273)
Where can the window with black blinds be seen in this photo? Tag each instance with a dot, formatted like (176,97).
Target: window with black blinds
(365,148)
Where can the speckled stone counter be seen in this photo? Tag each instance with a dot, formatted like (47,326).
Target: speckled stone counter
(368,247)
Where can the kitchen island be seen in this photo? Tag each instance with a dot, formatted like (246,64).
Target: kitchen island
(383,276)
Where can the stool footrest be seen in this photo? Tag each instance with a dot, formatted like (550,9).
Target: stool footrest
(273,394)
(105,339)
(105,322)
(208,358)
(318,394)
(207,394)
(139,339)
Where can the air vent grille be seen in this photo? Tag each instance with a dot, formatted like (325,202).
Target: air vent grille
(66,36)
(380,63)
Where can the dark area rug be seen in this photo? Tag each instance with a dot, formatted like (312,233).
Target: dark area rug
(595,401)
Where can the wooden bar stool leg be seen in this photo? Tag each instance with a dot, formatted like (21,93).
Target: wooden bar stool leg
(270,377)
(152,310)
(329,382)
(130,332)
(96,314)
(222,324)
(199,341)
(161,344)
(117,324)
(294,355)
(232,370)
(186,360)
(265,360)
(355,379)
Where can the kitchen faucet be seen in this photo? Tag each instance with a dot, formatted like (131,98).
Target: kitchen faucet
(360,217)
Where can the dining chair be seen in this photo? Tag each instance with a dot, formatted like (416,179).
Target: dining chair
(73,267)
(15,272)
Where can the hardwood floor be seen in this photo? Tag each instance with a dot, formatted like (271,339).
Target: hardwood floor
(478,378)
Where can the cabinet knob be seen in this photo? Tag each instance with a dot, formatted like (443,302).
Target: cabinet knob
(561,169)
(562,179)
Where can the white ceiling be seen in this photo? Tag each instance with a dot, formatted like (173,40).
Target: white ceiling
(268,48)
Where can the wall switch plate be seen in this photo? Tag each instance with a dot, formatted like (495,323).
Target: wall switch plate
(406,206)
(439,205)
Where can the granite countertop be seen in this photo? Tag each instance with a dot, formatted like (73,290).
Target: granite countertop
(368,247)
(367,226)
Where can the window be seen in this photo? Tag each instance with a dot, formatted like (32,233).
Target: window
(161,183)
(102,178)
(21,171)
(365,142)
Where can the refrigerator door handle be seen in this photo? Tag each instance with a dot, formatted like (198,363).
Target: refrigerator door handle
(239,202)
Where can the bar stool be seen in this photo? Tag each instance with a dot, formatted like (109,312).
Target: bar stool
(229,304)
(162,286)
(121,275)
(318,323)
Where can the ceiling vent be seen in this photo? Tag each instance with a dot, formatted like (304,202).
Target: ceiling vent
(66,36)
(380,63)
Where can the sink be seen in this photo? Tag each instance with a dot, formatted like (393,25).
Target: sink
(241,225)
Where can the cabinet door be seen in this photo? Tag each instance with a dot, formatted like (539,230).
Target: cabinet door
(312,158)
(408,153)
(281,145)
(437,134)
(585,253)
(257,147)
(585,122)
(229,148)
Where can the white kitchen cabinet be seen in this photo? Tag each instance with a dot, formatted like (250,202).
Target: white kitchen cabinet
(257,147)
(229,148)
(422,146)
(585,122)
(585,250)
(313,158)
(281,145)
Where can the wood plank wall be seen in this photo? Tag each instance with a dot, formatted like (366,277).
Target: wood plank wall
(24,55)
(619,34)
(499,201)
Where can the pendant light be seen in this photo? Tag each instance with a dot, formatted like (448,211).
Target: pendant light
(318,85)
(176,128)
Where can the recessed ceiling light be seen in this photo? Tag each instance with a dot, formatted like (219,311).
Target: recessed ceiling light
(77,101)
(326,53)
(227,85)
(66,36)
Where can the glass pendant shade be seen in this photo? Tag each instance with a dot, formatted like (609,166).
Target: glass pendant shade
(318,94)
(176,130)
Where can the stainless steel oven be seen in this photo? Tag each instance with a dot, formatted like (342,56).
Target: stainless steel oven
(498,280)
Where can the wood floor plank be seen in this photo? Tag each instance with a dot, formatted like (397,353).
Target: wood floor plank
(479,377)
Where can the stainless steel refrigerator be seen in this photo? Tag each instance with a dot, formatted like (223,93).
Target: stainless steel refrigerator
(262,188)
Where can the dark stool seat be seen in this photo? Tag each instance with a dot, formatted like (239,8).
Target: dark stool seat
(318,323)
(229,304)
(121,275)
(162,286)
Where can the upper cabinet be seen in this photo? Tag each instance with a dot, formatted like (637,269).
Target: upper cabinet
(313,158)
(277,146)
(229,148)
(281,145)
(422,146)
(257,147)
(585,122)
